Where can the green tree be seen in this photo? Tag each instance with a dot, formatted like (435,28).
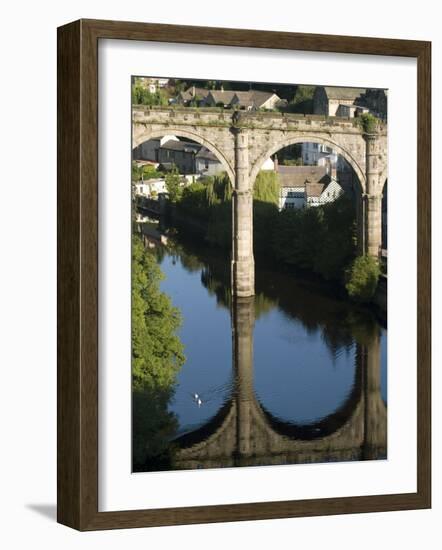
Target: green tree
(157,352)
(193,200)
(142,96)
(302,101)
(267,187)
(153,426)
(173,185)
(157,356)
(362,278)
(338,243)
(137,171)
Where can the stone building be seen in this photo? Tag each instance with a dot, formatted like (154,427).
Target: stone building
(149,149)
(349,102)
(179,153)
(331,100)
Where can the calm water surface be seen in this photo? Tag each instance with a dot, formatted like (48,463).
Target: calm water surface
(292,375)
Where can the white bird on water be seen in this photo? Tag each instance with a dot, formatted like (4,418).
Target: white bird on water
(199,402)
(196,396)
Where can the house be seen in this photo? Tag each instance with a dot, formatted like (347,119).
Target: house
(153,84)
(254,99)
(207,164)
(218,98)
(317,194)
(148,150)
(162,82)
(304,186)
(193,93)
(150,188)
(318,154)
(247,100)
(157,187)
(351,111)
(349,102)
(331,100)
(141,189)
(179,153)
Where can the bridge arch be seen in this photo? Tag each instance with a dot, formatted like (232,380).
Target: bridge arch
(308,138)
(180,132)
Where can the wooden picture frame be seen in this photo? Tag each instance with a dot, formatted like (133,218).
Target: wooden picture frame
(78,274)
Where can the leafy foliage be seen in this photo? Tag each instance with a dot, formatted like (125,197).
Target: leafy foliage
(144,172)
(267,187)
(157,352)
(302,101)
(319,239)
(369,123)
(194,200)
(142,96)
(153,426)
(362,278)
(173,185)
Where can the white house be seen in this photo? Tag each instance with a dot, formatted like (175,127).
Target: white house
(150,188)
(141,189)
(318,194)
(304,186)
(157,186)
(318,154)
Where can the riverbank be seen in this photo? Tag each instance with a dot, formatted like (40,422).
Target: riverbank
(190,227)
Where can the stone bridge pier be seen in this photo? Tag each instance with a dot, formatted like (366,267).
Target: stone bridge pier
(243,265)
(372,198)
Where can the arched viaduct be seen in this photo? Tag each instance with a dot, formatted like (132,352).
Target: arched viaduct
(242,141)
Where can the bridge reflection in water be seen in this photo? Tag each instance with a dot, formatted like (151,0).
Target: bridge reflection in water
(244,433)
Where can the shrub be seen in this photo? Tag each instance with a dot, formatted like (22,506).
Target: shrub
(369,123)
(362,278)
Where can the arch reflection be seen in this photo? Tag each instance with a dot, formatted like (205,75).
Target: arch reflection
(244,433)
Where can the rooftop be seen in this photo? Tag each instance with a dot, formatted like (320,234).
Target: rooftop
(206,154)
(301,176)
(193,91)
(185,146)
(336,92)
(252,98)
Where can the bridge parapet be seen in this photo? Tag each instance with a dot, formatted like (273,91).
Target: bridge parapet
(254,120)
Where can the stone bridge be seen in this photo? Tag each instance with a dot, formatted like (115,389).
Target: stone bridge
(243,433)
(242,141)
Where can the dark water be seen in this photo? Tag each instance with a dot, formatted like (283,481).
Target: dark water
(292,375)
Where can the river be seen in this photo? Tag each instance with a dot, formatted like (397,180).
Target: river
(292,375)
